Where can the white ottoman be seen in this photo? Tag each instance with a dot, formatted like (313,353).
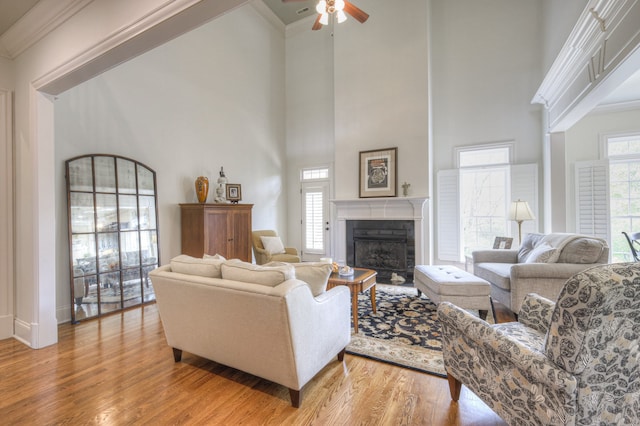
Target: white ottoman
(446,283)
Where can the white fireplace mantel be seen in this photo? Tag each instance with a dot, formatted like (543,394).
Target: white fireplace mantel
(393,208)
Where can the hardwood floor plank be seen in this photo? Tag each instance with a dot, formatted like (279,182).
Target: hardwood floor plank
(119,370)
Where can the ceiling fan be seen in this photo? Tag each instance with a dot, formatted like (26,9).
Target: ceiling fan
(337,7)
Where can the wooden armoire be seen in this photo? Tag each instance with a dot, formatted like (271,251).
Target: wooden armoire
(224,229)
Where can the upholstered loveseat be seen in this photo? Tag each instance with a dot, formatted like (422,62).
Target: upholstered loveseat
(258,319)
(542,264)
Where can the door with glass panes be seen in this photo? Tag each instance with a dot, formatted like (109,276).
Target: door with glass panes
(315,219)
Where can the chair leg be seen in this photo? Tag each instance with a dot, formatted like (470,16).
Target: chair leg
(177,354)
(483,314)
(454,387)
(341,354)
(493,310)
(295,397)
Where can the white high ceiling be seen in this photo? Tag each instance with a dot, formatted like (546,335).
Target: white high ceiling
(288,12)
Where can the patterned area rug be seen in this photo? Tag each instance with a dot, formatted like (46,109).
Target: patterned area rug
(404,332)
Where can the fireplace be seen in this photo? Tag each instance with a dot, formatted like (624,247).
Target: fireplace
(389,210)
(386,246)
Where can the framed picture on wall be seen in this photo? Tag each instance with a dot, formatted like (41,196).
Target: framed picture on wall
(234,192)
(379,173)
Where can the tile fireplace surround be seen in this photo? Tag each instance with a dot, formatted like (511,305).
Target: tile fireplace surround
(393,208)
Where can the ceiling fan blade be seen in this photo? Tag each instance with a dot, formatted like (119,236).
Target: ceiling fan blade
(317,25)
(357,13)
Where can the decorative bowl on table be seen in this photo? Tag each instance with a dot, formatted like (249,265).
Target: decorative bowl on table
(345,271)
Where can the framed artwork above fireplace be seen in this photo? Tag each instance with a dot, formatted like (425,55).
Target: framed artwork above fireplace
(379,173)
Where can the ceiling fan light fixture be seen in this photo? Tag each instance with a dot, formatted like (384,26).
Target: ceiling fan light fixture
(341,16)
(321,7)
(324,19)
(338,5)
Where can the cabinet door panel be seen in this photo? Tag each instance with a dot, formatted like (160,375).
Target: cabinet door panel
(217,234)
(241,235)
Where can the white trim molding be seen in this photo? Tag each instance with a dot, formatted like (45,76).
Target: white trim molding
(392,208)
(601,52)
(6,215)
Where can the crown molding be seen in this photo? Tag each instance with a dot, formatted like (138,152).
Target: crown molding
(600,52)
(43,18)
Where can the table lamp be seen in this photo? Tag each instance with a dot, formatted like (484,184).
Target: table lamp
(519,212)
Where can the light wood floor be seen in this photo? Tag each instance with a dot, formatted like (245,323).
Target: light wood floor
(119,370)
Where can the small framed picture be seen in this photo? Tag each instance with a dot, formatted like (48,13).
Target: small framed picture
(234,192)
(502,243)
(378,173)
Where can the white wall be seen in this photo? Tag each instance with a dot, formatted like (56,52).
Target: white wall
(101,35)
(559,18)
(381,93)
(485,68)
(210,98)
(309,110)
(583,142)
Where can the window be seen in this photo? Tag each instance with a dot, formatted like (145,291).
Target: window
(624,192)
(484,185)
(473,200)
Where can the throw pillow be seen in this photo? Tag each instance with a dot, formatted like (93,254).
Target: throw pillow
(315,274)
(582,250)
(273,245)
(528,243)
(238,270)
(208,267)
(542,253)
(215,256)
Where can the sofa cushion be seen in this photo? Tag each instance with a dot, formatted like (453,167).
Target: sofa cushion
(207,267)
(542,253)
(528,243)
(315,274)
(273,245)
(273,275)
(582,250)
(499,274)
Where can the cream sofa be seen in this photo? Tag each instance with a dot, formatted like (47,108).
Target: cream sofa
(258,319)
(541,265)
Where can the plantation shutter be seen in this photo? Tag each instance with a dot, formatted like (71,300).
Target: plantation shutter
(592,198)
(449,244)
(524,186)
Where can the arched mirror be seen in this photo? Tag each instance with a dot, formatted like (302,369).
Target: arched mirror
(113,234)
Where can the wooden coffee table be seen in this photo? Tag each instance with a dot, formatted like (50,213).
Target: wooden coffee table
(361,280)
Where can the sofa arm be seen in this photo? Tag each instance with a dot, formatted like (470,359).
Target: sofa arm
(461,326)
(320,327)
(495,256)
(291,250)
(536,312)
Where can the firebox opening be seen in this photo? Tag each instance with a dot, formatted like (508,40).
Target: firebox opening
(386,246)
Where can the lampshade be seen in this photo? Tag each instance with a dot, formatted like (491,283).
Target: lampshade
(520,211)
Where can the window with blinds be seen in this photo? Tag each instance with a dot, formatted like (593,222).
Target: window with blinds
(314,234)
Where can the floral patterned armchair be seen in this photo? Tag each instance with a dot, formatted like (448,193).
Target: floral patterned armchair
(576,361)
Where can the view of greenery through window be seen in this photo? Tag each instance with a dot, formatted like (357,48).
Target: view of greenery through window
(624,188)
(484,185)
